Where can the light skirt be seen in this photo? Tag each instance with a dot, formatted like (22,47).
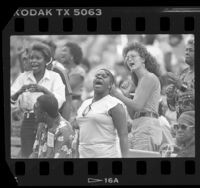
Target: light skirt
(146,134)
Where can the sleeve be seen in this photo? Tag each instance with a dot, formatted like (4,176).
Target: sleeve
(59,90)
(112,102)
(64,142)
(18,83)
(65,78)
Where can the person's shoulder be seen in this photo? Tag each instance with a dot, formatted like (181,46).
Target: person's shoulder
(112,98)
(87,101)
(65,127)
(185,71)
(151,78)
(53,74)
(64,123)
(113,101)
(79,70)
(25,74)
(57,66)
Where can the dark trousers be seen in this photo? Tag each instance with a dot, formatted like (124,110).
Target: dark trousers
(28,133)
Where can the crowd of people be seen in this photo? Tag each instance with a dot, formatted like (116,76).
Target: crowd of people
(104,96)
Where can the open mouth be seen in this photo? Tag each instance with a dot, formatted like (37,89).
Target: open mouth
(131,64)
(98,83)
(35,66)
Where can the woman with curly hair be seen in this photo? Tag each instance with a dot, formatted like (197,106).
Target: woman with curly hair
(146,132)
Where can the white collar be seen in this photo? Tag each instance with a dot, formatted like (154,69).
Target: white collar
(46,75)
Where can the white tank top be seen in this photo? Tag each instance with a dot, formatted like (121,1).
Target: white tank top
(98,136)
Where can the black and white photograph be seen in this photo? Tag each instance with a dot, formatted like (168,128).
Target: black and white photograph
(102,96)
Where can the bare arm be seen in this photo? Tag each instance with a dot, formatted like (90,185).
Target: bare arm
(66,109)
(119,119)
(171,93)
(75,80)
(18,87)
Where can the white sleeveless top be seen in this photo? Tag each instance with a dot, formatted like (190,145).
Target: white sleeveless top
(98,137)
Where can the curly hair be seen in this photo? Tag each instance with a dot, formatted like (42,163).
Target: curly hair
(150,62)
(75,51)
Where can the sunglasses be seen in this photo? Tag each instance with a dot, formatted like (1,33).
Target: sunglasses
(86,111)
(182,126)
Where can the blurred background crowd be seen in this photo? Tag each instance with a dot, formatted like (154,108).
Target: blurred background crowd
(104,51)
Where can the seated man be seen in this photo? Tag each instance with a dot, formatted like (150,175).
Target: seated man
(54,134)
(185,134)
(185,137)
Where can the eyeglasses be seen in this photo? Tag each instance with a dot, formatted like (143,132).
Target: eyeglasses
(182,126)
(86,111)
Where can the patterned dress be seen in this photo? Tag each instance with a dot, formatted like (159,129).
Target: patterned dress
(55,142)
(183,100)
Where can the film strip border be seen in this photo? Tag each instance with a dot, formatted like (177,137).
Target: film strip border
(106,172)
(167,171)
(127,20)
(93,168)
(117,24)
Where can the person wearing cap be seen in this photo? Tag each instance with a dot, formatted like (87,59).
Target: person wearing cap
(185,134)
(180,93)
(32,84)
(54,134)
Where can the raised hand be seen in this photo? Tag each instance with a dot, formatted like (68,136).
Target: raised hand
(36,88)
(174,79)
(126,88)
(170,90)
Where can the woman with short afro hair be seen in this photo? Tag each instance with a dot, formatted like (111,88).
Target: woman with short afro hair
(32,84)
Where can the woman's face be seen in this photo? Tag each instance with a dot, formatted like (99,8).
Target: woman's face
(102,82)
(63,55)
(37,61)
(133,60)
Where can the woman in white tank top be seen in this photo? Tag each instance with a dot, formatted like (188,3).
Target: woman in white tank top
(102,122)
